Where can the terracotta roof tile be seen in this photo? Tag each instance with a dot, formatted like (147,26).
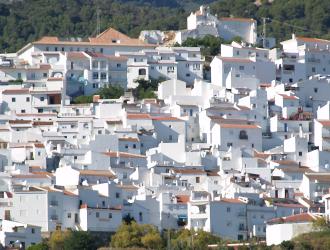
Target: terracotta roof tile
(184,199)
(15,91)
(123,154)
(304,217)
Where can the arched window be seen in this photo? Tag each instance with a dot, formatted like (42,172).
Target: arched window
(243,135)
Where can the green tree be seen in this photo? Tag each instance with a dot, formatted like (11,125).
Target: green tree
(136,235)
(83,99)
(57,239)
(321,224)
(40,246)
(79,240)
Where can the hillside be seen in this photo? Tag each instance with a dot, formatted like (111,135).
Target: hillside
(22,21)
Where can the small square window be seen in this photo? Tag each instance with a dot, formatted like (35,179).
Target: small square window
(42,98)
(110,216)
(300,153)
(69,215)
(97,214)
(13,99)
(27,99)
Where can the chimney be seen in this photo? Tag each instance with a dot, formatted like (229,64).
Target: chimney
(300,131)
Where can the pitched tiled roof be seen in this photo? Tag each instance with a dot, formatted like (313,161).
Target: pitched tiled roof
(123,154)
(188,171)
(15,91)
(104,173)
(235,60)
(134,116)
(312,40)
(304,217)
(239,126)
(289,97)
(232,200)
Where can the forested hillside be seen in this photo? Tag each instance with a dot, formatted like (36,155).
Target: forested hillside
(22,21)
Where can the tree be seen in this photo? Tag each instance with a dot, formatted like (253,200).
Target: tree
(152,240)
(80,240)
(191,239)
(146,88)
(83,99)
(136,235)
(57,239)
(41,246)
(109,92)
(320,224)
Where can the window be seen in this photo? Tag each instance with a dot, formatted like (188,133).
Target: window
(126,146)
(117,195)
(33,231)
(47,48)
(103,203)
(243,135)
(13,99)
(197,179)
(313,69)
(142,72)
(170,69)
(229,144)
(170,137)
(55,48)
(101,50)
(228,209)
(300,153)
(95,75)
(44,74)
(110,215)
(187,65)
(103,75)
(187,75)
(241,67)
(134,145)
(19,75)
(23,111)
(69,215)
(140,217)
(252,145)
(315,90)
(103,64)
(160,67)
(196,67)
(118,65)
(42,98)
(95,64)
(97,215)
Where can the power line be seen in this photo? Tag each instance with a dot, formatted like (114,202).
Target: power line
(295,26)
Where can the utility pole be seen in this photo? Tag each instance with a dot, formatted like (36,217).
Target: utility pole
(264,32)
(98,23)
